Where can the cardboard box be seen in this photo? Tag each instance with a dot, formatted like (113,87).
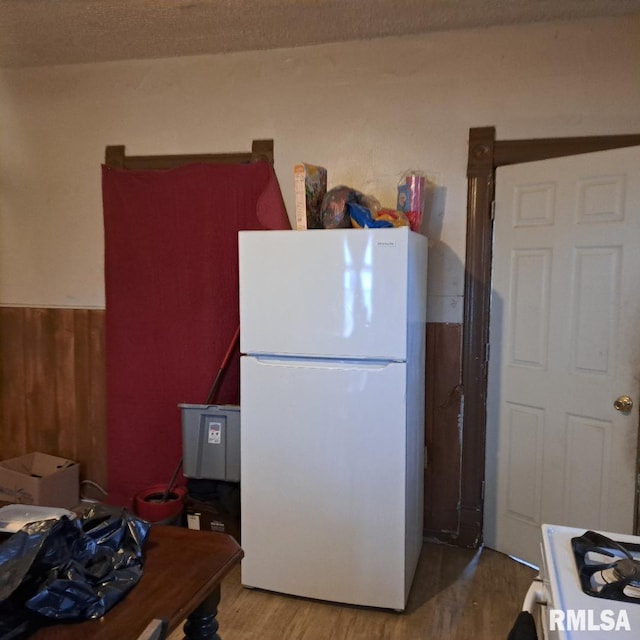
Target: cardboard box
(41,479)
(207,517)
(310,187)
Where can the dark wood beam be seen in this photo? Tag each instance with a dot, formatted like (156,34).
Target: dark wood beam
(115,156)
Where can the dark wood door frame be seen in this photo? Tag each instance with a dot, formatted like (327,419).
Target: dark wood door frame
(486,154)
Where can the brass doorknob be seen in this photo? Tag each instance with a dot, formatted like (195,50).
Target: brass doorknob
(623,403)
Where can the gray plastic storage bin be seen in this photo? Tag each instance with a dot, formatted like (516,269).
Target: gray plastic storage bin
(211,441)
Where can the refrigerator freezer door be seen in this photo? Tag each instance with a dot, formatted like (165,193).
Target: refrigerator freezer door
(336,293)
(324,480)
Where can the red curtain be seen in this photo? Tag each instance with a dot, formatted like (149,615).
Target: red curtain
(171,280)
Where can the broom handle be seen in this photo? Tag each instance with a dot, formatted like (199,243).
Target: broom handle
(223,366)
(167,492)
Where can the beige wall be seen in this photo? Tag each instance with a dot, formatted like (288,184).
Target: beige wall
(365,110)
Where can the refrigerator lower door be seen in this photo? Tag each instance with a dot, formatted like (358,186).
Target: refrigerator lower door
(324,480)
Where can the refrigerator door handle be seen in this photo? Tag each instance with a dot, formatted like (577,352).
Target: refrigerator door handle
(323,363)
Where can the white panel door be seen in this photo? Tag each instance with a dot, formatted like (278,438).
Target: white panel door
(564,345)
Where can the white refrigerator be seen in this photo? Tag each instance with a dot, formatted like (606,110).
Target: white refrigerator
(332,332)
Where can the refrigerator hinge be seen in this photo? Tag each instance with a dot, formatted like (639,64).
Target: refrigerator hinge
(493,210)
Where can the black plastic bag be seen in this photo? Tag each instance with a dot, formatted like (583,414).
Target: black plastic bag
(68,570)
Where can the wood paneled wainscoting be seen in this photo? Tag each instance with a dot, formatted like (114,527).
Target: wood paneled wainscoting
(53,386)
(443,420)
(53,399)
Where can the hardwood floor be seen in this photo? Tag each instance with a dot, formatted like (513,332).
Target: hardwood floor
(458,594)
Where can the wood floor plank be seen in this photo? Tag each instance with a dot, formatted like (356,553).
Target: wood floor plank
(458,594)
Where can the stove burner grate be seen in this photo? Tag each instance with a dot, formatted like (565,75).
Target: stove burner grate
(606,568)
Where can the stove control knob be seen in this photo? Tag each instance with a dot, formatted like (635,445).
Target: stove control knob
(623,403)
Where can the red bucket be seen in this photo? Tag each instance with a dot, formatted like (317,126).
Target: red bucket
(149,504)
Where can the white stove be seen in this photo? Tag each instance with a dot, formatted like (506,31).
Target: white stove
(588,588)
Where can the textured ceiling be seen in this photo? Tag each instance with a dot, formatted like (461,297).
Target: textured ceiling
(45,32)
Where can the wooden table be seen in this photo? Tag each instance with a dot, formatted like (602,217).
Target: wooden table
(182,574)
